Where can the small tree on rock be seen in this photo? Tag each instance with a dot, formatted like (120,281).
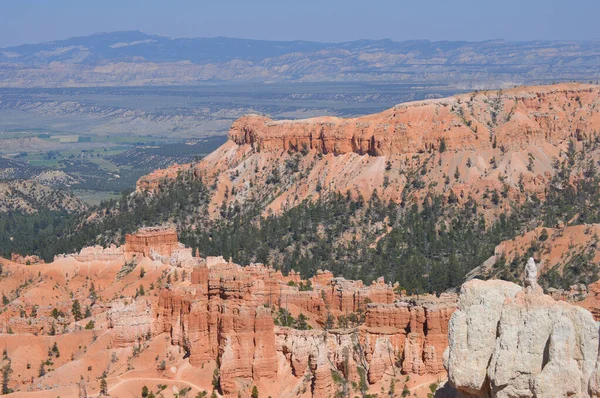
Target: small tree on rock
(76,310)
(103,385)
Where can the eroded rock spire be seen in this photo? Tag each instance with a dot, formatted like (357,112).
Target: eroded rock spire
(531,273)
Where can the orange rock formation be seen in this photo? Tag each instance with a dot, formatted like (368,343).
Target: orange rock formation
(470,121)
(464,146)
(163,240)
(226,315)
(148,317)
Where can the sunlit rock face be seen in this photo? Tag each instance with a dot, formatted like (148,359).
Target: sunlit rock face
(509,341)
(226,314)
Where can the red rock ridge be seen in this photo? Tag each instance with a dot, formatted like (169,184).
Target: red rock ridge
(194,315)
(513,118)
(467,145)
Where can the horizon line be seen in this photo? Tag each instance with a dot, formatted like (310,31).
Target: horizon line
(300,40)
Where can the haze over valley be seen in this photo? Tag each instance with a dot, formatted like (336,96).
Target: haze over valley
(406,205)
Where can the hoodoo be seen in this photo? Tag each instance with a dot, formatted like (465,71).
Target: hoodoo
(249,326)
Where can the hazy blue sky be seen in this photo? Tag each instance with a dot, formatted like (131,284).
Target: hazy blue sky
(30,21)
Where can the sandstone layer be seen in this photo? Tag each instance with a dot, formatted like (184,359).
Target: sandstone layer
(515,119)
(463,146)
(226,315)
(162,240)
(148,317)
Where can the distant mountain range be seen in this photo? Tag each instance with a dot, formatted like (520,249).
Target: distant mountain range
(136,58)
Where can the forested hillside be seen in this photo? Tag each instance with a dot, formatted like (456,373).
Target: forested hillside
(426,246)
(423,216)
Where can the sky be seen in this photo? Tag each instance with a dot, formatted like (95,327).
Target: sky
(34,21)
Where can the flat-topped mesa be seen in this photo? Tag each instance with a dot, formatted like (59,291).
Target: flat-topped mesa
(513,119)
(161,240)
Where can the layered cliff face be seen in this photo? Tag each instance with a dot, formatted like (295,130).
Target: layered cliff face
(141,316)
(131,321)
(226,314)
(514,119)
(509,341)
(161,240)
(467,145)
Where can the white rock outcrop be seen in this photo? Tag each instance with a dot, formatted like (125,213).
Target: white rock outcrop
(530,273)
(510,342)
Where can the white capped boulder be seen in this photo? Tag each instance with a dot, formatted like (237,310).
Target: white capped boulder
(509,342)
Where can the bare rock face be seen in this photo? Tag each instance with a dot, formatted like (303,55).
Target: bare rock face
(472,332)
(530,273)
(96,253)
(130,320)
(226,314)
(222,316)
(162,240)
(505,341)
(492,140)
(417,329)
(202,315)
(419,126)
(309,354)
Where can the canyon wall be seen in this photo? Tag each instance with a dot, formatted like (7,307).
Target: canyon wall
(463,146)
(226,314)
(514,118)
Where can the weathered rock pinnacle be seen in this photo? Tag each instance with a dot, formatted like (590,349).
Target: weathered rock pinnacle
(531,273)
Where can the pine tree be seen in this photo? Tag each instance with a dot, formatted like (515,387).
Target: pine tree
(329,322)
(442,145)
(103,385)
(301,322)
(392,389)
(405,391)
(254,392)
(76,310)
(6,372)
(55,350)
